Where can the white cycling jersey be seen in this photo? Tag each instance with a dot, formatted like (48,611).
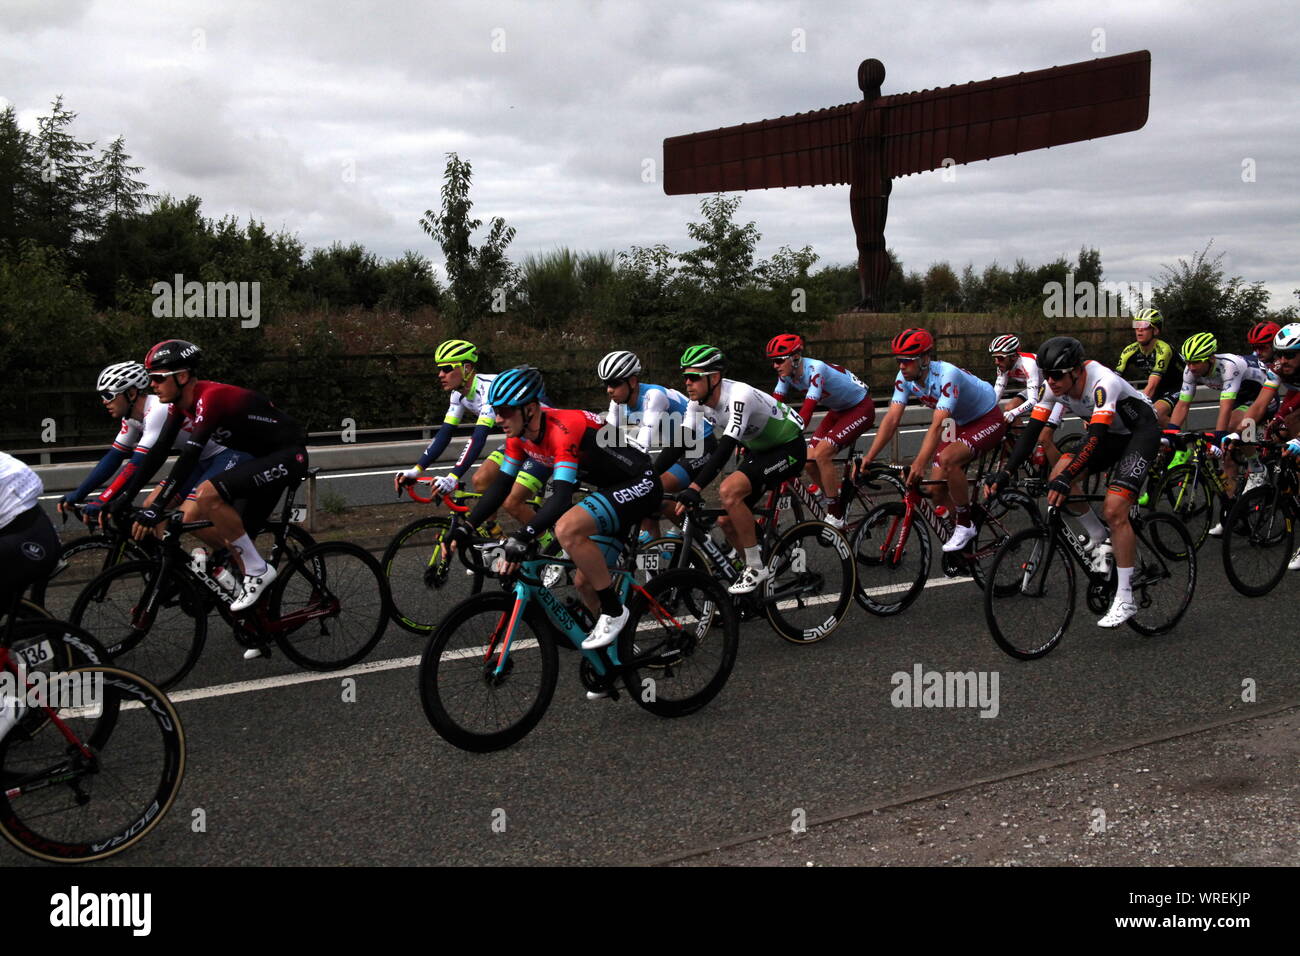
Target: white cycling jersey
(1024,374)
(754,419)
(1228,375)
(20,487)
(1107,400)
(143,434)
(470,400)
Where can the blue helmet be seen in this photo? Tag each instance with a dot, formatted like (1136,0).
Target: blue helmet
(516,387)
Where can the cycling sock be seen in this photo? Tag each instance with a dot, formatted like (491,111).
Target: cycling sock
(1124,590)
(1093,525)
(609,602)
(754,557)
(962,514)
(253,563)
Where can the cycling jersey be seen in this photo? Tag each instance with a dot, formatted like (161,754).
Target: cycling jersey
(749,417)
(1156,360)
(470,401)
(646,411)
(1231,376)
(29,546)
(948,388)
(568,444)
(832,386)
(1024,372)
(240,419)
(1107,400)
(20,487)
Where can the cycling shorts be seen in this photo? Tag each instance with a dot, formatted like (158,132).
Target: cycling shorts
(842,428)
(259,482)
(211,467)
(980,434)
(29,551)
(1127,457)
(768,468)
(623,506)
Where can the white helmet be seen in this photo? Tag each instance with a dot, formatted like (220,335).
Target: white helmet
(1004,345)
(617,366)
(1288,337)
(116,379)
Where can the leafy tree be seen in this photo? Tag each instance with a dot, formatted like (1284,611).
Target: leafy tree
(408,283)
(17,181)
(474,274)
(941,289)
(114,196)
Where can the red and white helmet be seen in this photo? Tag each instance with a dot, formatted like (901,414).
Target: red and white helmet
(1005,345)
(912,343)
(785,344)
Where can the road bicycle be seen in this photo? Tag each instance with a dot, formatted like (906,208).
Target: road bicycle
(1259,532)
(892,547)
(91,764)
(812,578)
(83,558)
(422,582)
(327,608)
(1190,485)
(491,665)
(1029,595)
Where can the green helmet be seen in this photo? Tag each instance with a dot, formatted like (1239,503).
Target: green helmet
(703,356)
(1199,347)
(455,351)
(1150,315)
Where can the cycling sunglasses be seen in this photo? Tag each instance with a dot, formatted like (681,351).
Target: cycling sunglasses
(1139,326)
(157,377)
(693,376)
(1287,353)
(109,396)
(1057,374)
(612,382)
(448,368)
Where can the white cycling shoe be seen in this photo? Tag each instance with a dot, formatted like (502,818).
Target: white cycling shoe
(1295,561)
(1120,611)
(834,522)
(962,535)
(749,580)
(1216,531)
(606,631)
(253,587)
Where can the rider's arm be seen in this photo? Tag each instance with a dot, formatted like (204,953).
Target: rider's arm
(139,470)
(470,453)
(493,498)
(436,447)
(99,474)
(885,431)
(721,452)
(1163,357)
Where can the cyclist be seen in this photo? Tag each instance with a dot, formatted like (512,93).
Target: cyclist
(1246,389)
(742,416)
(567,441)
(29,545)
(1286,423)
(1123,435)
(850,412)
(959,399)
(122,388)
(1151,358)
(657,413)
(246,421)
(1020,368)
(458,374)
(1260,337)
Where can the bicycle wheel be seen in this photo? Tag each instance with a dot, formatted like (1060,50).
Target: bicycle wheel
(161,643)
(1181,491)
(862,500)
(889,579)
(421,583)
(467,701)
(98,779)
(684,622)
(1008,513)
(1258,540)
(1164,573)
(329,607)
(812,583)
(81,560)
(1031,598)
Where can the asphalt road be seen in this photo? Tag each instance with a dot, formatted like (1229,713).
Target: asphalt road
(290,767)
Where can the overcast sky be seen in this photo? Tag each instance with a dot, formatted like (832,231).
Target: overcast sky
(332,120)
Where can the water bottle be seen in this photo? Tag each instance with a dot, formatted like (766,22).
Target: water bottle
(1101,558)
(199,560)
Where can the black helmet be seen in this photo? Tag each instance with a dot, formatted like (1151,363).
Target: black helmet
(173,355)
(1060,353)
